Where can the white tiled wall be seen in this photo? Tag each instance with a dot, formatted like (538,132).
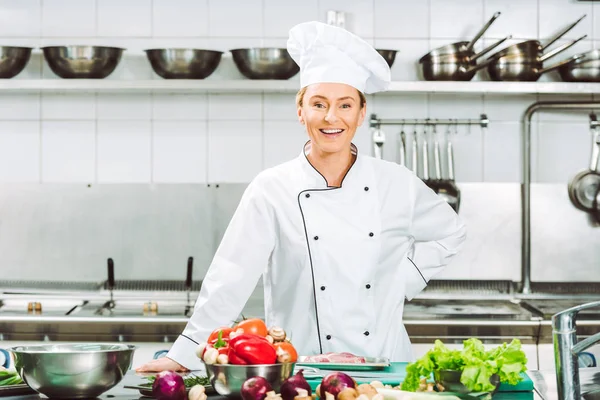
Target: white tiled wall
(120,138)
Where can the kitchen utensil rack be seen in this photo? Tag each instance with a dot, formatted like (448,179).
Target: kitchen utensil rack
(375,122)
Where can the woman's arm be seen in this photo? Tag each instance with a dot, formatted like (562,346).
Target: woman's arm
(239,261)
(438,235)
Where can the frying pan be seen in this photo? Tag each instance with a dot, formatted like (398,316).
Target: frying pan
(584,187)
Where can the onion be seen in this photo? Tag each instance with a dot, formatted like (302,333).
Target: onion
(169,386)
(288,387)
(255,388)
(335,383)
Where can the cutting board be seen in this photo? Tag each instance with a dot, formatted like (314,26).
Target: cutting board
(397,371)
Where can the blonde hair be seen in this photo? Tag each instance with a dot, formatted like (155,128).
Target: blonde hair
(302,92)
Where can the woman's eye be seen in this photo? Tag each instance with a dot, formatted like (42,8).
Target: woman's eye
(346,106)
(319,105)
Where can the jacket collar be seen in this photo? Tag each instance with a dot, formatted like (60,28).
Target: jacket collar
(319,180)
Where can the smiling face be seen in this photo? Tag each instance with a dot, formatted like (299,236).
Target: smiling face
(331,112)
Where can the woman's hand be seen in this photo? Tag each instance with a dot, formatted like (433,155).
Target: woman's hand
(161,364)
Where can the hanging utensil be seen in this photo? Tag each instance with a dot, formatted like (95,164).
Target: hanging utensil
(425,157)
(448,189)
(415,153)
(378,141)
(437,179)
(402,147)
(583,188)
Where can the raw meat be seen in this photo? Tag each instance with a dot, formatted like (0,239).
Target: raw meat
(346,358)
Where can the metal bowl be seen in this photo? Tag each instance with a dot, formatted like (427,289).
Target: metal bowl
(82,62)
(227,379)
(73,371)
(13,60)
(265,63)
(450,381)
(184,63)
(388,55)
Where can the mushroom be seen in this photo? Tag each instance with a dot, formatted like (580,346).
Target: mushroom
(277,333)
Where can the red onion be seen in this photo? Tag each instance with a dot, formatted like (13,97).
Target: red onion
(169,386)
(335,382)
(255,388)
(289,386)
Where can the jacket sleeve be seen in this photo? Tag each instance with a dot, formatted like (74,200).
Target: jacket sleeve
(438,235)
(239,261)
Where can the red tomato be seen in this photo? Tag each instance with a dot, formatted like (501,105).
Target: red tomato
(215,334)
(255,326)
(289,348)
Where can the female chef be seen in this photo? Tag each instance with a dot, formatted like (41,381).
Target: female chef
(340,238)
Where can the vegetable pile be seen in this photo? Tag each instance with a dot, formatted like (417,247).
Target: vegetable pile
(8,377)
(476,364)
(334,386)
(189,382)
(249,342)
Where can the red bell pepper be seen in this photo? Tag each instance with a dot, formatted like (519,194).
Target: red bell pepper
(220,343)
(251,349)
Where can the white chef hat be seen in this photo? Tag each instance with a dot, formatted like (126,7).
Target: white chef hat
(326,53)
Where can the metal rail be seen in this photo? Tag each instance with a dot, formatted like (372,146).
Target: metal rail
(375,122)
(526,185)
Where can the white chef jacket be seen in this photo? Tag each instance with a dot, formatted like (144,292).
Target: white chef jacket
(337,263)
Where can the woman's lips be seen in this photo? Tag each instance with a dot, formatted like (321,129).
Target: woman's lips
(331,132)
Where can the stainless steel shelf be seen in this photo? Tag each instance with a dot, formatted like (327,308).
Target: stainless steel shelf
(287,86)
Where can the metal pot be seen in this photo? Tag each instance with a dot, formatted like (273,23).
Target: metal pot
(388,55)
(464,48)
(505,69)
(533,49)
(452,68)
(584,69)
(13,60)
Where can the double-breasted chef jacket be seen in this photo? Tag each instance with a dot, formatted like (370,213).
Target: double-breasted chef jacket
(337,262)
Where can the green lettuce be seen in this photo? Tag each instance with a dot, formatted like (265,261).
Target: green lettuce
(476,364)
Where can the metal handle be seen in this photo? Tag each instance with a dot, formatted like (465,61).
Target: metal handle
(377,150)
(562,33)
(560,49)
(188,277)
(560,64)
(111,274)
(490,48)
(482,31)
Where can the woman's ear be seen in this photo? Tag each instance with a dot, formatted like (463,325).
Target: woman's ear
(300,116)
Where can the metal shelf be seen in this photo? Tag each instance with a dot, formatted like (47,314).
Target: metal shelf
(289,86)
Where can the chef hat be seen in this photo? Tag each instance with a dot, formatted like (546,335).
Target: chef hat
(326,53)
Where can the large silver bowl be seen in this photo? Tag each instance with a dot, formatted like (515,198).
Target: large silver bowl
(184,63)
(227,379)
(82,62)
(13,60)
(73,371)
(265,63)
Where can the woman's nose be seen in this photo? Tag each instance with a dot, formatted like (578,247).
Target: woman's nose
(331,116)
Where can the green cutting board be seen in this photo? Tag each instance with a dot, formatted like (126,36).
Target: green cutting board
(398,372)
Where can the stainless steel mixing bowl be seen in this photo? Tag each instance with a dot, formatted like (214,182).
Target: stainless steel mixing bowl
(13,60)
(73,371)
(265,63)
(388,55)
(184,63)
(227,379)
(83,62)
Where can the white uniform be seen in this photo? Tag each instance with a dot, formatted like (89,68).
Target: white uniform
(337,263)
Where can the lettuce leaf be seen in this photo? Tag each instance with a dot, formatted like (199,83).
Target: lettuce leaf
(477,365)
